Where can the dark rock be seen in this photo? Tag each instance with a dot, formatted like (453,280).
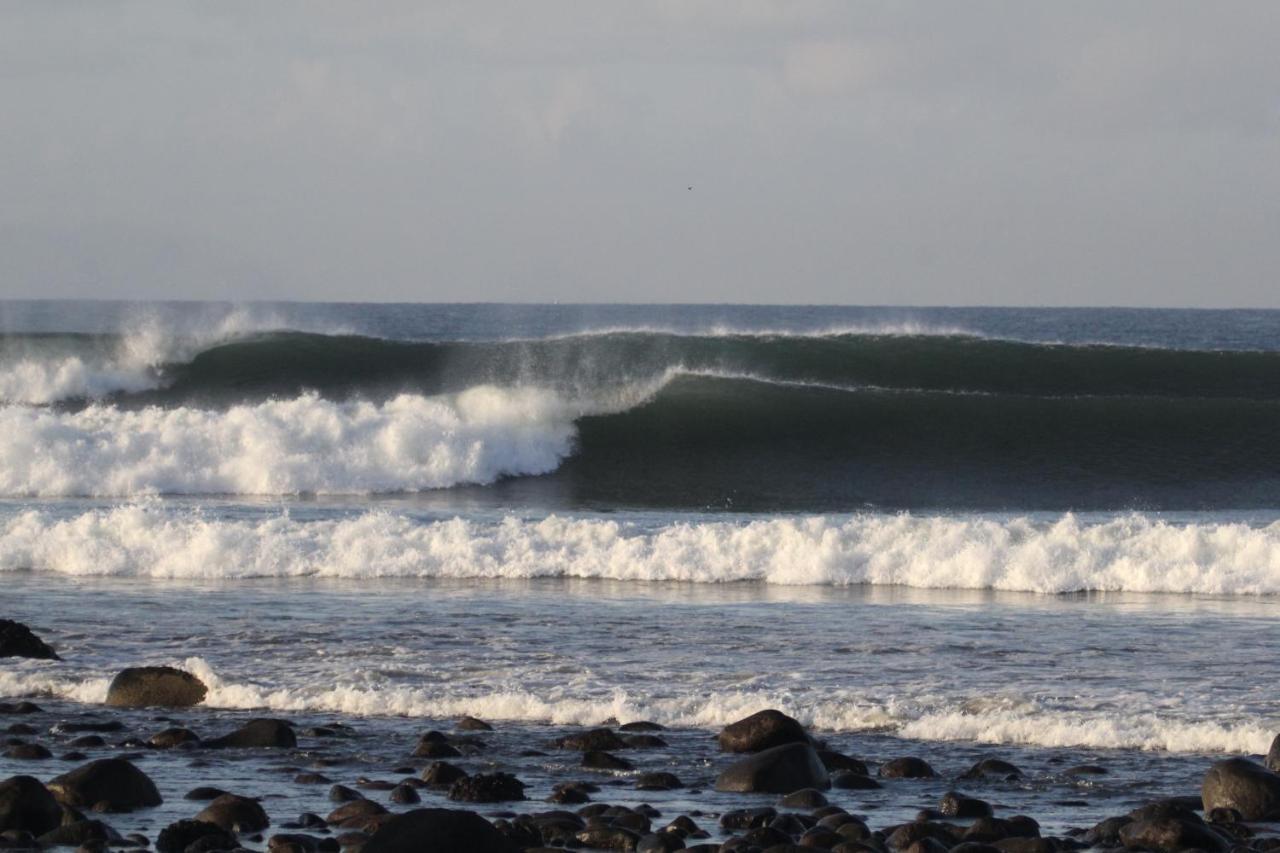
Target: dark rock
(1273,755)
(442,774)
(487,788)
(343,794)
(155,686)
(74,727)
(955,804)
(847,780)
(405,794)
(659,842)
(779,770)
(597,760)
(1018,844)
(438,831)
(608,838)
(834,761)
(644,742)
(805,798)
(1169,835)
(26,804)
(596,740)
(293,843)
(1244,786)
(177,837)
(1086,770)
(113,781)
(88,742)
(435,745)
(204,794)
(76,833)
(169,738)
(20,708)
(748,818)
(641,726)
(17,641)
(907,834)
(237,814)
(28,752)
(660,781)
(355,809)
(907,768)
(471,724)
(992,768)
(258,734)
(762,730)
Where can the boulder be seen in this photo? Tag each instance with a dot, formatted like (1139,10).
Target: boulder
(779,770)
(235,814)
(992,768)
(955,804)
(113,781)
(17,641)
(258,734)
(155,687)
(1249,788)
(78,833)
(438,831)
(487,788)
(1169,835)
(26,804)
(658,781)
(1273,755)
(598,760)
(907,768)
(762,730)
(177,837)
(442,774)
(595,740)
(169,738)
(472,724)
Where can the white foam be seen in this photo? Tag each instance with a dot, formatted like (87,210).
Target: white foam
(1126,554)
(998,722)
(304,445)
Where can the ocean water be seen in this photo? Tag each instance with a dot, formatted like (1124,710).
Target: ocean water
(1050,535)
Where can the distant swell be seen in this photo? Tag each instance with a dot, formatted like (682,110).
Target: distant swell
(1131,553)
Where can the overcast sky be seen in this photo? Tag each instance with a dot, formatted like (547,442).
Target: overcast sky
(1071,153)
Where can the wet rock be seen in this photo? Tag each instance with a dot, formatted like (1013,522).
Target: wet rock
(405,794)
(597,760)
(608,838)
(992,768)
(642,726)
(1169,835)
(659,842)
(20,708)
(472,724)
(435,745)
(834,761)
(169,738)
(902,837)
(80,832)
(908,767)
(644,742)
(17,641)
(595,740)
(438,831)
(204,794)
(442,774)
(487,788)
(760,731)
(293,843)
(1273,755)
(28,752)
(113,781)
(659,781)
(263,733)
(847,780)
(805,798)
(343,794)
(26,804)
(177,837)
(235,813)
(955,804)
(1244,786)
(354,809)
(67,727)
(155,686)
(779,770)
(1086,770)
(88,742)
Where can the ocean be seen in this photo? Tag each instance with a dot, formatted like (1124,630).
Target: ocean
(1048,535)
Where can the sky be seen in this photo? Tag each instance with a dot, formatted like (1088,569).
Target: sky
(799,151)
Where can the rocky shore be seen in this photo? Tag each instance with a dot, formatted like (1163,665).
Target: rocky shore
(153,768)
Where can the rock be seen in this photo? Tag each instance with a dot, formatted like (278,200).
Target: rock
(805,798)
(204,794)
(644,742)
(20,708)
(660,781)
(487,788)
(1086,770)
(234,813)
(608,838)
(659,842)
(992,768)
(907,768)
(293,843)
(26,804)
(598,760)
(779,770)
(258,734)
(28,752)
(177,837)
(355,809)
(442,774)
(1273,755)
(155,686)
(17,641)
(79,832)
(955,804)
(343,794)
(471,724)
(641,726)
(596,740)
(1169,835)
(762,730)
(113,781)
(834,761)
(169,738)
(438,831)
(405,794)
(847,780)
(1239,784)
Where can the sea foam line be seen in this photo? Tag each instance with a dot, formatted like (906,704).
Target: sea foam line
(1132,553)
